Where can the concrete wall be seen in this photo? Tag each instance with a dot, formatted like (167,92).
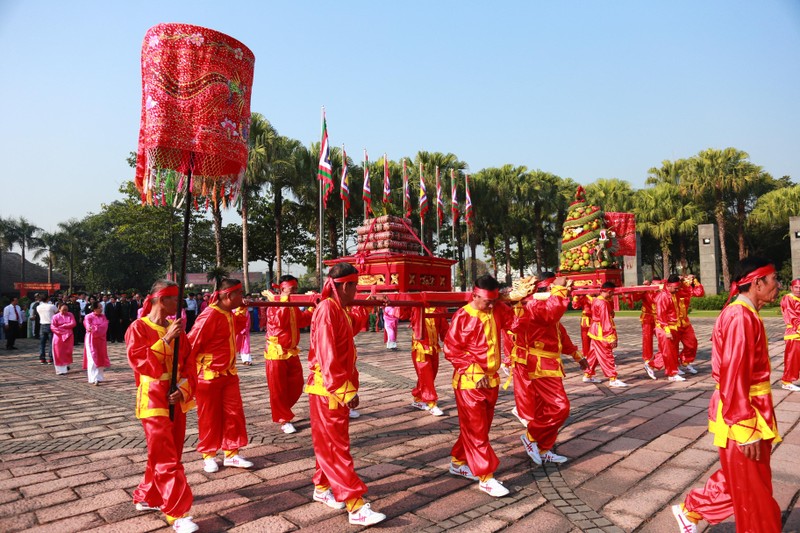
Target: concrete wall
(708,240)
(632,275)
(794,240)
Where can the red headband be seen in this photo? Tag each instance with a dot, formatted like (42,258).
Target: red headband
(673,285)
(232,288)
(750,278)
(796,282)
(285,284)
(545,283)
(483,293)
(170,290)
(346,279)
(329,289)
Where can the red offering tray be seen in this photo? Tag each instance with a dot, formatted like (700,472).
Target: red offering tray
(594,279)
(393,272)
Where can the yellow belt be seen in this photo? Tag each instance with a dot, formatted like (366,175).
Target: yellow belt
(275,351)
(147,379)
(722,431)
(759,389)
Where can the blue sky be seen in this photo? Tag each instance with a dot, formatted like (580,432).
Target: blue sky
(583,89)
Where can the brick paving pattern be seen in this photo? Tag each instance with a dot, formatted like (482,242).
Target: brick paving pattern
(74,453)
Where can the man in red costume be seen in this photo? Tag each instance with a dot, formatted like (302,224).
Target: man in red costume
(689,288)
(284,370)
(332,389)
(741,414)
(538,341)
(425,334)
(667,325)
(603,338)
(584,302)
(150,343)
(648,320)
(220,415)
(790,307)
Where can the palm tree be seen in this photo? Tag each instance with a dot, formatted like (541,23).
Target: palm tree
(50,249)
(509,179)
(775,207)
(26,237)
(71,233)
(217,274)
(614,195)
(749,184)
(7,241)
(711,175)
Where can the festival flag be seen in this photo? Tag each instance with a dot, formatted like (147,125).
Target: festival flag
(439,201)
(387,187)
(423,196)
(468,214)
(406,192)
(344,189)
(453,197)
(366,195)
(325,170)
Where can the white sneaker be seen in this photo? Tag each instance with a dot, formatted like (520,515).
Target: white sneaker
(681,372)
(685,525)
(328,499)
(532,449)
(237,461)
(435,411)
(391,345)
(690,369)
(185,525)
(790,387)
(650,373)
(676,377)
(210,465)
(617,383)
(354,413)
(365,516)
(288,427)
(422,406)
(492,487)
(521,420)
(144,506)
(591,379)
(463,471)
(550,457)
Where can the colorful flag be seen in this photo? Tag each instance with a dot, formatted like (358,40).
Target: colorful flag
(468,214)
(423,196)
(366,195)
(325,170)
(387,187)
(439,201)
(406,192)
(344,189)
(453,197)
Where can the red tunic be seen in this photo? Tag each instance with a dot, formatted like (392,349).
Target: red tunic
(686,334)
(164,484)
(740,411)
(667,322)
(283,368)
(584,301)
(790,308)
(425,336)
(648,321)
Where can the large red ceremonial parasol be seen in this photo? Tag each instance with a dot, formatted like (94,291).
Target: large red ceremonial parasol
(193,138)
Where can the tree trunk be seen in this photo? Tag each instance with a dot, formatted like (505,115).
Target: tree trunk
(664,260)
(22,262)
(49,269)
(216,213)
(521,256)
(682,256)
(719,213)
(493,253)
(461,266)
(740,220)
(473,265)
(277,211)
(71,264)
(270,272)
(245,260)
(333,236)
(507,244)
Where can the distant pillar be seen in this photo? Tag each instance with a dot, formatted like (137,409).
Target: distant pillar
(632,275)
(794,239)
(708,239)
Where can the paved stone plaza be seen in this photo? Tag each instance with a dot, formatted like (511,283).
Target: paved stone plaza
(73,453)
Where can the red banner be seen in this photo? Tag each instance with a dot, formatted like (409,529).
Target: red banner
(624,226)
(37,286)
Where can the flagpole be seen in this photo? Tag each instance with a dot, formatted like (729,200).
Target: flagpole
(421,214)
(438,199)
(453,217)
(319,227)
(366,177)
(344,215)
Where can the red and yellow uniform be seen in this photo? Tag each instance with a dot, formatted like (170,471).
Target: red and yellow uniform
(584,301)
(648,321)
(283,368)
(220,415)
(332,383)
(686,334)
(164,484)
(667,322)
(425,336)
(603,337)
(790,307)
(740,411)
(538,341)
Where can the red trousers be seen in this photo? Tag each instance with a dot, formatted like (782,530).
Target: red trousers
(523,392)
(668,348)
(475,415)
(426,376)
(164,484)
(550,411)
(648,330)
(687,337)
(791,361)
(601,352)
(585,340)
(330,432)
(285,384)
(220,415)
(742,488)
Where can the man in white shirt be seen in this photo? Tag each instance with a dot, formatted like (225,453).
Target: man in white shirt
(191,311)
(12,315)
(46,310)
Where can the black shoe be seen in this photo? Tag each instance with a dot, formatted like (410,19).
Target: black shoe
(14,348)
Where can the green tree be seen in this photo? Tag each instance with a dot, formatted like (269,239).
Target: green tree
(25,235)
(51,248)
(612,195)
(7,241)
(71,233)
